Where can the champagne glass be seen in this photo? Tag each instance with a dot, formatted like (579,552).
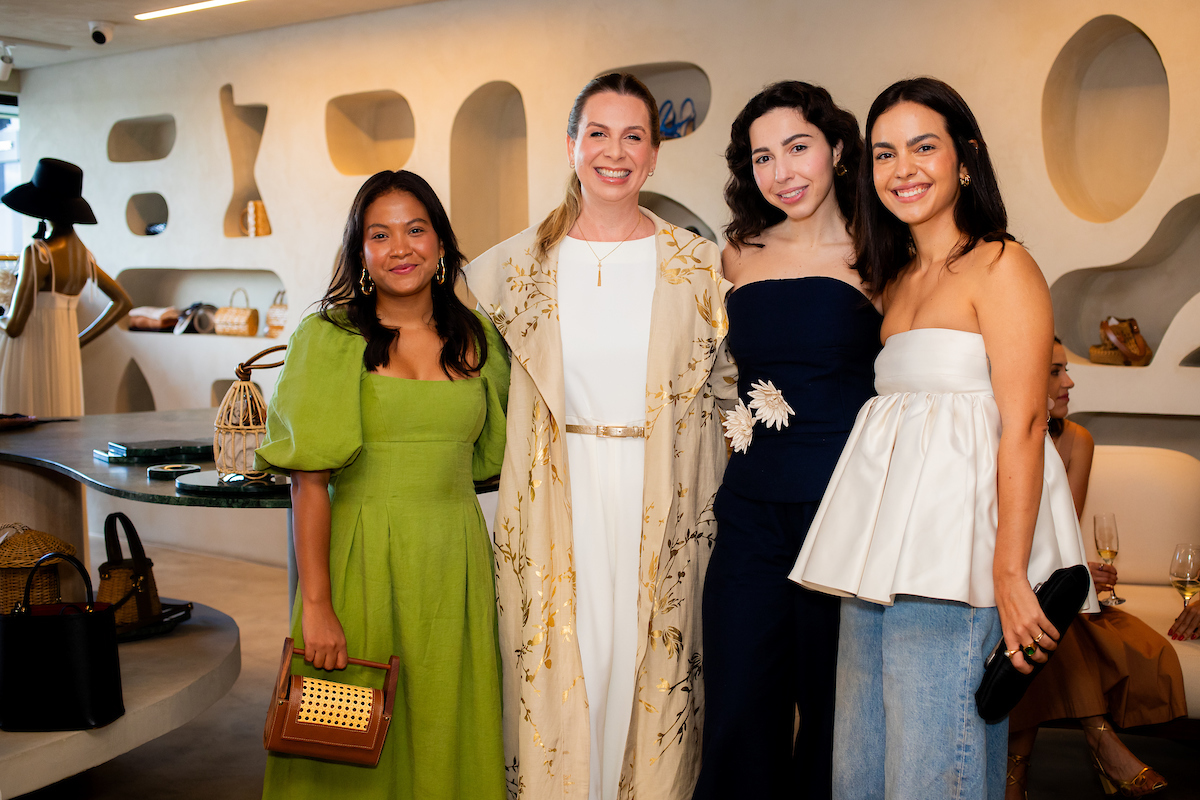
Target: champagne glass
(1185,571)
(1107,546)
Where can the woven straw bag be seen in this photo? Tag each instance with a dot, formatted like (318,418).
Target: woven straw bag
(1121,343)
(127,583)
(235,320)
(20,549)
(277,315)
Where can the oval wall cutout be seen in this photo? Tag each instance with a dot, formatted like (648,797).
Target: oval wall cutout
(369,132)
(683,93)
(489,177)
(141,139)
(146,214)
(1108,71)
(676,213)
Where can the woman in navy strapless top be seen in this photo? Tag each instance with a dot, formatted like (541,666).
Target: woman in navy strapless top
(804,335)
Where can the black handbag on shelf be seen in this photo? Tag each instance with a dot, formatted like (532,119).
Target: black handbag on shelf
(1003,685)
(59,669)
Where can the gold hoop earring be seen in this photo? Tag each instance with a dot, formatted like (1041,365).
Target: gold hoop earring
(440,275)
(839,169)
(365,283)
(965,181)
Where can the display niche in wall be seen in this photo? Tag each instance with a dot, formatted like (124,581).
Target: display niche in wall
(246,214)
(369,132)
(683,93)
(675,212)
(146,214)
(489,178)
(141,139)
(1154,285)
(1109,73)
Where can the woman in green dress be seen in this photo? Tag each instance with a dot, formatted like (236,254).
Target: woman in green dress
(390,402)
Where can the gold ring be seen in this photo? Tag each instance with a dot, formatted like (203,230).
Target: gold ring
(1010,653)
(1038,638)
(1030,650)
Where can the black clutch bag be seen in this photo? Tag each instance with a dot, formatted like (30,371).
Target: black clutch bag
(1003,686)
(59,669)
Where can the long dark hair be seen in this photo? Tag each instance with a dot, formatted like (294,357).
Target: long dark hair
(882,241)
(464,345)
(1056,425)
(555,226)
(752,214)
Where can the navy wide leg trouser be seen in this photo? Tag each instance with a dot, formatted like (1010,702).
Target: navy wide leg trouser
(769,647)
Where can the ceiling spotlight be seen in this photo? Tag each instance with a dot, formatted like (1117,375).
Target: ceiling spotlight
(6,62)
(102,32)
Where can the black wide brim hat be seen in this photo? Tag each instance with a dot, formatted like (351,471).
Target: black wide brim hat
(55,193)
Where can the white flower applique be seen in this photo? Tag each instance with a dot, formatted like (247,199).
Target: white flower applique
(739,427)
(769,406)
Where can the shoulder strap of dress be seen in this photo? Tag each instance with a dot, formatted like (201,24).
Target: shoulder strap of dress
(41,253)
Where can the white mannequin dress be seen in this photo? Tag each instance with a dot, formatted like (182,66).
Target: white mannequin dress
(605,339)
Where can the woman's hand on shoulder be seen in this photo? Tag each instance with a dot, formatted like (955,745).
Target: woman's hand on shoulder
(324,639)
(1023,622)
(1187,624)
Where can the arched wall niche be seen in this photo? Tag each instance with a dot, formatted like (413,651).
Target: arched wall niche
(489,176)
(1153,285)
(244,127)
(145,212)
(141,139)
(675,212)
(369,132)
(675,82)
(1108,72)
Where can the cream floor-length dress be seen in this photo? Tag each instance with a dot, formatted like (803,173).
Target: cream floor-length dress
(40,371)
(606,339)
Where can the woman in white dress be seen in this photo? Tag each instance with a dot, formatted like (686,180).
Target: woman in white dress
(949,500)
(39,335)
(615,318)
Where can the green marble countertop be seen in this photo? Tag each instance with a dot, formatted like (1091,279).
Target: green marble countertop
(66,447)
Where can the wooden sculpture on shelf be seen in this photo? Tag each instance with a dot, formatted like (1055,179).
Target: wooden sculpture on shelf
(39,335)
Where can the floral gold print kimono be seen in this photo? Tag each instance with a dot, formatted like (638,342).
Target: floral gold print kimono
(545,701)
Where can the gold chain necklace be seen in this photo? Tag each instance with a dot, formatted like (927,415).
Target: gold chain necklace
(599,260)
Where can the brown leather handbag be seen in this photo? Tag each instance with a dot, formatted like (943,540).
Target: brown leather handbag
(316,718)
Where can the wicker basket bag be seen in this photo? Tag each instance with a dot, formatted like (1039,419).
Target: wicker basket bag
(241,424)
(20,548)
(237,321)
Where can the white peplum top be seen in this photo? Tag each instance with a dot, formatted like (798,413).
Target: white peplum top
(911,506)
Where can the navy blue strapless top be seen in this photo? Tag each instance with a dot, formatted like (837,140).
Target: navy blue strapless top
(815,339)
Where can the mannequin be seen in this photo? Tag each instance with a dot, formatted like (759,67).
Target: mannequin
(39,348)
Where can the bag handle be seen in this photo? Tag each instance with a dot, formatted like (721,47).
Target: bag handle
(243,369)
(112,545)
(16,527)
(280,296)
(73,561)
(1113,337)
(389,684)
(244,294)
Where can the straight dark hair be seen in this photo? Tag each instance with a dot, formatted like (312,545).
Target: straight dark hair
(752,214)
(1056,425)
(464,345)
(882,241)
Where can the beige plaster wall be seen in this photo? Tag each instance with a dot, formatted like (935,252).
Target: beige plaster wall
(997,54)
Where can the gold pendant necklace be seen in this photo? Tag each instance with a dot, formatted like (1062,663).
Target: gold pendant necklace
(599,260)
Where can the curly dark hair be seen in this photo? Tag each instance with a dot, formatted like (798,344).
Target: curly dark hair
(464,345)
(882,241)
(752,214)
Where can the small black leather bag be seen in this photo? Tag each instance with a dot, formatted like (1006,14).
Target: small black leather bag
(59,669)
(1003,686)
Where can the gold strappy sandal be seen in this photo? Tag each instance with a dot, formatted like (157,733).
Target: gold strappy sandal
(1145,782)
(1016,762)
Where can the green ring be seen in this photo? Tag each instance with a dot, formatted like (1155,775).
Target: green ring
(1029,650)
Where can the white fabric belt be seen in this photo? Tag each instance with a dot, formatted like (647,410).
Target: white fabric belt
(610,431)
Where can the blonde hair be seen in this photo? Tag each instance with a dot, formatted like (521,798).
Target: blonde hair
(555,226)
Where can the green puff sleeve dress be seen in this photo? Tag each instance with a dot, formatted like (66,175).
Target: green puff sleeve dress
(410,560)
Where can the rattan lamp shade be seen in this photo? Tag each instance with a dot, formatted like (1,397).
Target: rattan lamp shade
(241,424)
(20,548)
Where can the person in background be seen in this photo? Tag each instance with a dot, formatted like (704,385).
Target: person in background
(40,340)
(391,401)
(1111,667)
(804,335)
(930,527)
(615,319)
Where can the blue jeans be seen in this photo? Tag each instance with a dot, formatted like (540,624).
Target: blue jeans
(906,725)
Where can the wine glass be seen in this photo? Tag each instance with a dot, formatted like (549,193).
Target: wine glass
(1185,571)
(1107,546)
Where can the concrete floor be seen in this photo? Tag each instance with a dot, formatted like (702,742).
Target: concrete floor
(219,754)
